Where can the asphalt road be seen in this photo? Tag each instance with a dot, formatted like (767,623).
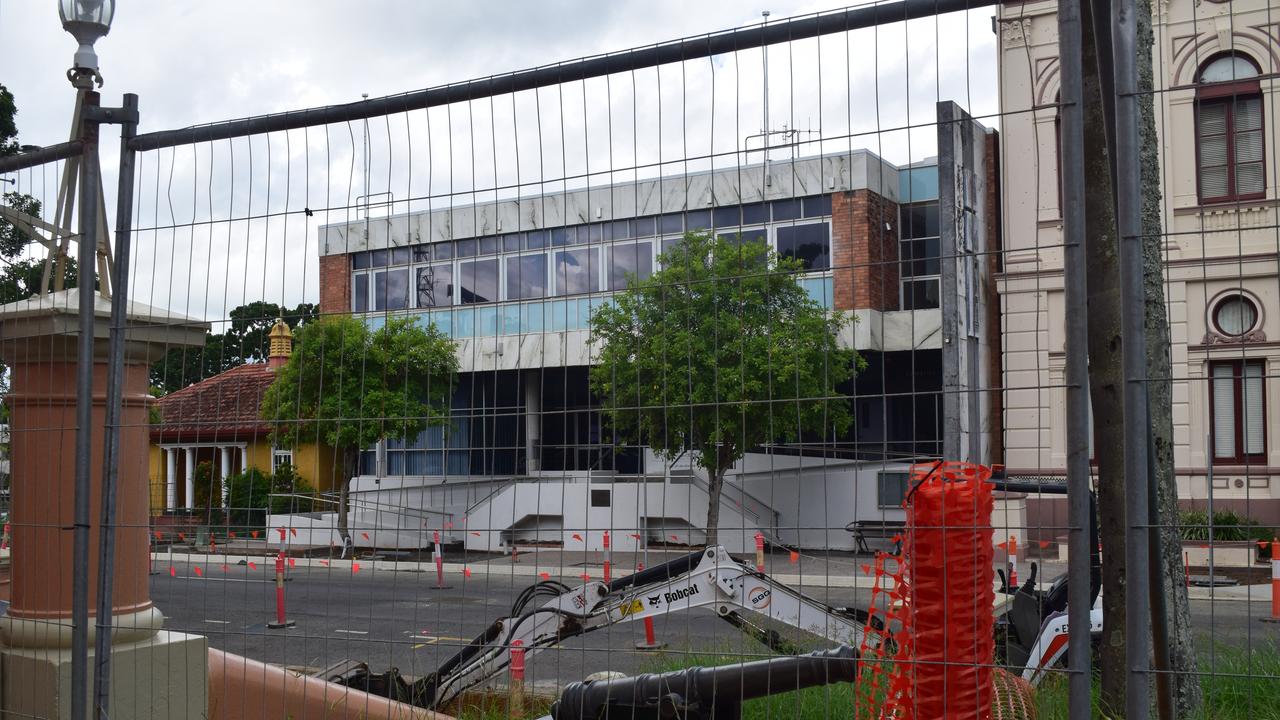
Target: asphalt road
(397,619)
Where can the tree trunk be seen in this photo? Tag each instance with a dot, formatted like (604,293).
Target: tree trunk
(1106,374)
(1182,658)
(350,462)
(715,483)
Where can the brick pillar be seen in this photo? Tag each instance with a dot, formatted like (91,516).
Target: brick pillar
(335,284)
(864,249)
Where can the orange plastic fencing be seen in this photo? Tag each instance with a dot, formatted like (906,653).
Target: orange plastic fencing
(931,645)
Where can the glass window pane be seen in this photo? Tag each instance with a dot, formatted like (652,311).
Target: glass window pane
(1213,182)
(360,293)
(1227,69)
(920,294)
(1224,411)
(421,253)
(391,289)
(435,286)
(645,226)
(817,206)
(531,317)
(511,243)
(786,209)
(627,261)
(1212,118)
(697,220)
(672,223)
(489,245)
(559,237)
(360,261)
(442,251)
(526,276)
(378,258)
(465,248)
(535,239)
(479,281)
(1254,430)
(745,236)
(400,256)
(1249,179)
(724,217)
(577,271)
(811,244)
(623,229)
(755,214)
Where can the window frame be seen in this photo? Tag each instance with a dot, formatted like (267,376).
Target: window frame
(1239,457)
(1228,94)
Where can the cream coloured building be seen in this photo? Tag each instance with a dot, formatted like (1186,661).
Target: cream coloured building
(1216,110)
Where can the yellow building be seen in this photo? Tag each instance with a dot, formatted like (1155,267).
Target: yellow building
(218,421)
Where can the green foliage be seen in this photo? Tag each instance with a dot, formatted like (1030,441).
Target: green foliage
(204,488)
(247,495)
(244,340)
(286,482)
(1227,526)
(718,352)
(8,127)
(12,240)
(348,386)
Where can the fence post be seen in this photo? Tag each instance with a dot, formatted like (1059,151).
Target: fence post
(1275,582)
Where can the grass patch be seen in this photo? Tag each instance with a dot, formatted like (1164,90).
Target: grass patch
(1238,684)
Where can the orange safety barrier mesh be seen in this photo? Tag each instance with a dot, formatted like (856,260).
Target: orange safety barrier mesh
(930,644)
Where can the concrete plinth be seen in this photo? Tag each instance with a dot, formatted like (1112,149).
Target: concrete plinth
(163,676)
(160,674)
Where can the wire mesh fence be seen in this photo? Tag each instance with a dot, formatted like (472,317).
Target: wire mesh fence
(842,365)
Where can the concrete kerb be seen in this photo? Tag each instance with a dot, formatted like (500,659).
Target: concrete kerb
(1241,593)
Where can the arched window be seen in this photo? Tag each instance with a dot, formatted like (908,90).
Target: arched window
(1229,130)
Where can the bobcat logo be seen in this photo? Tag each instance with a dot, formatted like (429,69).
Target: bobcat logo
(654,600)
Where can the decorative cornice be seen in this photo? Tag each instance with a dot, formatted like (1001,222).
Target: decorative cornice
(1252,337)
(1015,31)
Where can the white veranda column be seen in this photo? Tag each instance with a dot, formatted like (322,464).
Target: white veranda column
(244,458)
(224,472)
(190,485)
(171,479)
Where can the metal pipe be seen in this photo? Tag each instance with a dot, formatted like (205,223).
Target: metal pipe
(52,153)
(1075,287)
(87,249)
(1128,194)
(114,409)
(676,51)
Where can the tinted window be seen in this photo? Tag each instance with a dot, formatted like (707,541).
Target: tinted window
(465,248)
(920,294)
(727,216)
(786,209)
(645,226)
(391,290)
(672,223)
(755,214)
(360,293)
(435,286)
(442,251)
(698,220)
(817,206)
(479,281)
(378,258)
(623,229)
(421,253)
(489,245)
(536,239)
(559,236)
(921,257)
(511,243)
(811,244)
(920,220)
(360,261)
(527,276)
(400,256)
(753,235)
(629,261)
(577,271)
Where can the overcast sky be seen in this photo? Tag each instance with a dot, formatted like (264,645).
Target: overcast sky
(194,63)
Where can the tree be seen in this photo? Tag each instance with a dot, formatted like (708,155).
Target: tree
(349,386)
(245,340)
(719,352)
(1106,378)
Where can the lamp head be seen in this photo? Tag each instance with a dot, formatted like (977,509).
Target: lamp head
(86,20)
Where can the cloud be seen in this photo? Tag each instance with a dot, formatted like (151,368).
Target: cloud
(222,224)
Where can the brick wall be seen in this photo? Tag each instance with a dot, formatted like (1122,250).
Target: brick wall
(864,250)
(335,284)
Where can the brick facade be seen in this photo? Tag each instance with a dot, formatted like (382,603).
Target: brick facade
(864,251)
(335,284)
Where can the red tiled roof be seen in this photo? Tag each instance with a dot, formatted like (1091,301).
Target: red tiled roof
(222,407)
